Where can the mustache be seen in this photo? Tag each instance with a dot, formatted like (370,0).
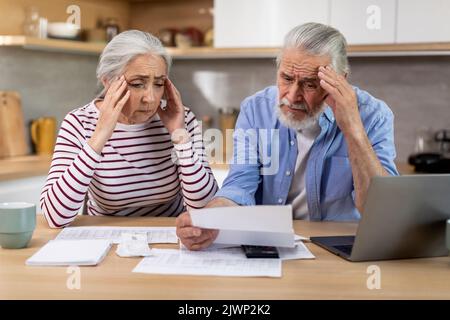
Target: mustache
(298,106)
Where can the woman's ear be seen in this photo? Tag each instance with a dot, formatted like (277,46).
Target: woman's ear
(105,82)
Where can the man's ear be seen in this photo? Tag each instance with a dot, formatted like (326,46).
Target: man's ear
(345,75)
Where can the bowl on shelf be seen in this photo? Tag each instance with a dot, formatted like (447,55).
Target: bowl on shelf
(63,30)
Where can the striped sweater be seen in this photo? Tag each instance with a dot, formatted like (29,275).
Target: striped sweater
(140,171)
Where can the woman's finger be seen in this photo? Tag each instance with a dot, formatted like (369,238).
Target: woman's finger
(112,88)
(121,102)
(118,94)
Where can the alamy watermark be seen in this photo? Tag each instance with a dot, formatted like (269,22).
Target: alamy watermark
(374,279)
(73,282)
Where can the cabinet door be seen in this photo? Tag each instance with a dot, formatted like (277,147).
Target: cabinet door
(423,21)
(364,21)
(262,23)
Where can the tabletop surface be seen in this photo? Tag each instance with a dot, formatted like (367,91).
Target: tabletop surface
(326,277)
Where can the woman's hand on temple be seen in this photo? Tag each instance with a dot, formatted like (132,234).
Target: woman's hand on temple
(110,110)
(173,115)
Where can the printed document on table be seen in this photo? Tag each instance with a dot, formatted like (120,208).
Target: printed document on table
(225,262)
(300,251)
(249,225)
(154,234)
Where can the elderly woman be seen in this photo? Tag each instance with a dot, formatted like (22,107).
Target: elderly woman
(133,151)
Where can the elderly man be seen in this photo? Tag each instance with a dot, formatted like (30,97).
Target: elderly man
(333,138)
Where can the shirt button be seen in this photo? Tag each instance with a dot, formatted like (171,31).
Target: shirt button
(288,173)
(280,200)
(292,142)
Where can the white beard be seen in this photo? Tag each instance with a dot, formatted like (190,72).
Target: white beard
(288,120)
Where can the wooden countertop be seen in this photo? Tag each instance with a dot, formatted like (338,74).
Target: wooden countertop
(30,166)
(24,167)
(326,277)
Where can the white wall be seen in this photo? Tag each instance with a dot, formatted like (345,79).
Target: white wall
(22,190)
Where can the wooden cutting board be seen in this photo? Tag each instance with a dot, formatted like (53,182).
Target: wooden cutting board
(12,129)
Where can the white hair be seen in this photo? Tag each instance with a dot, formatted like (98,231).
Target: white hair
(318,40)
(125,47)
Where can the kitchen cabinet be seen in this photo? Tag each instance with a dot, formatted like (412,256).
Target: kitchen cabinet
(423,21)
(364,21)
(262,23)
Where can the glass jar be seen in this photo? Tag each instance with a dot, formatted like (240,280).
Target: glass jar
(112,28)
(31,23)
(424,140)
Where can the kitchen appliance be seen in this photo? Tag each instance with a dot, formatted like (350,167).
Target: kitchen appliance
(12,130)
(434,159)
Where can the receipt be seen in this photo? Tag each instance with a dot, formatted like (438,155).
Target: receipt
(133,245)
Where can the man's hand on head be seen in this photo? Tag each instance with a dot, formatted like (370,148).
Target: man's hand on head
(342,100)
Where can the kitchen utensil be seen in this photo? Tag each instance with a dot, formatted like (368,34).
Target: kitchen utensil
(227,120)
(63,30)
(12,130)
(43,134)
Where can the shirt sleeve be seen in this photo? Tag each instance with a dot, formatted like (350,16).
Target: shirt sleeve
(381,135)
(197,181)
(72,168)
(244,177)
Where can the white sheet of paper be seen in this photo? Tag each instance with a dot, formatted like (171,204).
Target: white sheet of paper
(70,252)
(154,234)
(224,262)
(300,251)
(251,225)
(300,238)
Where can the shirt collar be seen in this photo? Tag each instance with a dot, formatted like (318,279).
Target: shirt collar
(328,113)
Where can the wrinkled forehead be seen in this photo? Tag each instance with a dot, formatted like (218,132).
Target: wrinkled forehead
(298,63)
(149,65)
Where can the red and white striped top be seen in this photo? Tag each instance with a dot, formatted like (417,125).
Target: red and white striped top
(136,174)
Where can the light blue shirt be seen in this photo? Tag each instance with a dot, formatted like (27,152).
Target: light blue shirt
(328,179)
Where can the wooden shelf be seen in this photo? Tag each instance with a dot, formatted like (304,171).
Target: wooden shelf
(24,167)
(68,46)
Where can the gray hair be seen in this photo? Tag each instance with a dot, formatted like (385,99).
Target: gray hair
(123,48)
(318,40)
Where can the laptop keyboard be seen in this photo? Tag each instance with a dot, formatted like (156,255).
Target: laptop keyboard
(347,249)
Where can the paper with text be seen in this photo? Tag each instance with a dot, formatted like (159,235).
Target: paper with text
(154,234)
(224,262)
(300,251)
(250,225)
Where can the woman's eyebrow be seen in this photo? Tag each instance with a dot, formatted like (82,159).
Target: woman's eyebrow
(138,76)
(146,77)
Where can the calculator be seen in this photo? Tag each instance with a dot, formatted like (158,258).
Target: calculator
(266,252)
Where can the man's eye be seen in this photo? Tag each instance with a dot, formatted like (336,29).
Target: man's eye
(137,85)
(287,78)
(158,84)
(311,86)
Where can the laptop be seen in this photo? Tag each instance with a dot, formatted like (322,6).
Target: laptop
(404,217)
